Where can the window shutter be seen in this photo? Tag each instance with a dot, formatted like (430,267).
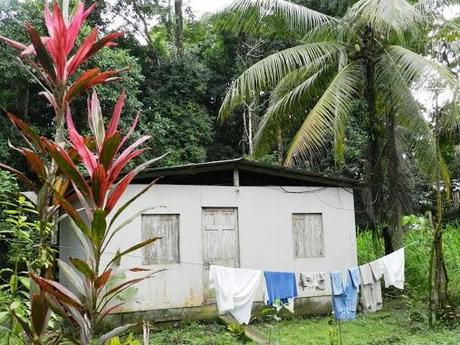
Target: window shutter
(165,250)
(308,235)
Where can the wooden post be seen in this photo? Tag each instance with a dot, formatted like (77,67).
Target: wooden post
(236,176)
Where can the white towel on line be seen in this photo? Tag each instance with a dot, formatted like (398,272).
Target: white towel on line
(235,290)
(393,269)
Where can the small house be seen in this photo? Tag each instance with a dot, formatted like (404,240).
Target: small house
(236,213)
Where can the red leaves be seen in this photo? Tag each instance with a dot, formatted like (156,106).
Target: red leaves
(81,54)
(53,52)
(99,185)
(67,166)
(29,134)
(105,165)
(118,191)
(12,43)
(103,279)
(89,79)
(113,125)
(57,290)
(87,157)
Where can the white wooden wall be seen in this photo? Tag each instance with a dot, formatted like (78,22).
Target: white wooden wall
(256,222)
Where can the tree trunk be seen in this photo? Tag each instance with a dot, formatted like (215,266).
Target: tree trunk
(178,28)
(250,139)
(280,147)
(394,203)
(438,273)
(372,196)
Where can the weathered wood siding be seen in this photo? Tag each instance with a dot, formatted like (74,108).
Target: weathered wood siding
(165,250)
(220,241)
(308,235)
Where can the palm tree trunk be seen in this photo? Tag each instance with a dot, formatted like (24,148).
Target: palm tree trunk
(373,175)
(394,205)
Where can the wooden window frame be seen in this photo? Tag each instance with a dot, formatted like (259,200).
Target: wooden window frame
(158,261)
(305,250)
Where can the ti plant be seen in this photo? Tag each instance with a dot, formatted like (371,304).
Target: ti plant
(95,223)
(54,61)
(50,58)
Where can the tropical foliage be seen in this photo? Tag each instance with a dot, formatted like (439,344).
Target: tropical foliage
(104,155)
(326,85)
(98,194)
(365,55)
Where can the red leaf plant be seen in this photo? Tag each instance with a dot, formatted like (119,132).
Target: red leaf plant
(56,59)
(98,189)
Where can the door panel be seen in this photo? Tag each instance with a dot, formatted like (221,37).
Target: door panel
(220,242)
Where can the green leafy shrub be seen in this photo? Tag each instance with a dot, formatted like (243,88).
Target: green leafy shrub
(418,238)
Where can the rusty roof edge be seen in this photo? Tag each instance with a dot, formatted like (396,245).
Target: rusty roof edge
(249,165)
(283,169)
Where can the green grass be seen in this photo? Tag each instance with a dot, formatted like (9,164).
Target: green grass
(194,334)
(398,323)
(401,322)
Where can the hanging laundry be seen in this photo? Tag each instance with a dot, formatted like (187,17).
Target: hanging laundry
(345,296)
(377,268)
(281,286)
(393,269)
(235,290)
(312,280)
(371,290)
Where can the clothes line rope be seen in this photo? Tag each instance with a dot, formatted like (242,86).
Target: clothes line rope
(166,262)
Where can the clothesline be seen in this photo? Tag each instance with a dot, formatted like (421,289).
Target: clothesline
(165,262)
(235,287)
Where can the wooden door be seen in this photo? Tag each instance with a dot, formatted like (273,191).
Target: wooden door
(220,242)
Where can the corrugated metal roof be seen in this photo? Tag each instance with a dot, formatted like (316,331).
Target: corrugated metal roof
(248,170)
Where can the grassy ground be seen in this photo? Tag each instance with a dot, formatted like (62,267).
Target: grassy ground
(399,323)
(194,334)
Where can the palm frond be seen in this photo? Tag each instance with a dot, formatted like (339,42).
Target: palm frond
(450,119)
(393,88)
(265,74)
(295,78)
(247,15)
(384,16)
(326,32)
(427,153)
(288,99)
(396,72)
(328,115)
(393,84)
(433,9)
(414,66)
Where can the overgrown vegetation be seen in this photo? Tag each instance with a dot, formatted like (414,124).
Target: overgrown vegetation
(400,322)
(418,239)
(195,334)
(58,165)
(327,85)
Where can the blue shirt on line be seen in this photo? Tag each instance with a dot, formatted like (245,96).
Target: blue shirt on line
(345,296)
(280,285)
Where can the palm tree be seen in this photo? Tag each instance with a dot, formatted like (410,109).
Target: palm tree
(368,54)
